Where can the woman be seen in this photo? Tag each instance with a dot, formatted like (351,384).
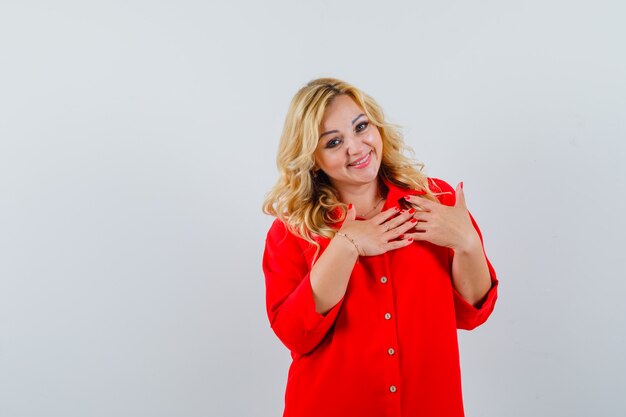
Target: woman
(370,267)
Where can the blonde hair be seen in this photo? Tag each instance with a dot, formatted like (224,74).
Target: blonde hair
(306,202)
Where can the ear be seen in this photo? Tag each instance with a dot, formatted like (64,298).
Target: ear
(316,166)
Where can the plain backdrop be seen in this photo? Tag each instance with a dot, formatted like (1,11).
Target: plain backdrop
(138,139)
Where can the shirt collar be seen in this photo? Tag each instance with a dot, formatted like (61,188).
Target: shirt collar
(395,196)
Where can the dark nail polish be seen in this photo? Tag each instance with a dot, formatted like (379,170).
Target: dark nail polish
(413,220)
(412,211)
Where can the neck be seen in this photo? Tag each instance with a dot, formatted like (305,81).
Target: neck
(363,197)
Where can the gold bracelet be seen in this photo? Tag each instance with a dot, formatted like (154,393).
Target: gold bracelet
(351,240)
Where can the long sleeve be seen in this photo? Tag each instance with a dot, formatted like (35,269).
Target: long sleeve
(289,297)
(468,316)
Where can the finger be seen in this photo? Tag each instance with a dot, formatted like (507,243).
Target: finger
(410,225)
(420,226)
(417,237)
(460,196)
(400,230)
(423,216)
(405,215)
(385,215)
(421,202)
(397,244)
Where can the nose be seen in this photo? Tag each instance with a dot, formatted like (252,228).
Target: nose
(354,145)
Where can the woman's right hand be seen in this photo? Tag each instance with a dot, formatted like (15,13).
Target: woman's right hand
(381,233)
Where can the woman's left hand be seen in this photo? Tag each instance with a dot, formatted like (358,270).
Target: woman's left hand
(442,225)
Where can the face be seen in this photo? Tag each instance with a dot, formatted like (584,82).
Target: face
(350,148)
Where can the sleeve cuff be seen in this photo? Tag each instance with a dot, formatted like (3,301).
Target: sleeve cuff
(296,322)
(468,316)
(312,321)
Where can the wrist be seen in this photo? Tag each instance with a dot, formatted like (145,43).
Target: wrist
(347,238)
(470,245)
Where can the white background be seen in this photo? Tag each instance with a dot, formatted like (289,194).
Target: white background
(138,138)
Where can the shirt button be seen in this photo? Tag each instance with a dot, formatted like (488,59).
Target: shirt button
(391,351)
(383,280)
(393,388)
(387,316)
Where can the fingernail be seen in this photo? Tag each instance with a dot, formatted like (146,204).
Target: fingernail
(401,236)
(350,206)
(410,239)
(412,211)
(461,184)
(413,220)
(407,197)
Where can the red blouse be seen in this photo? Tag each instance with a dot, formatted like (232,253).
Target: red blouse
(389,346)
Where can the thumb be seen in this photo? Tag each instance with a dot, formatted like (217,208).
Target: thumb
(351,213)
(460,196)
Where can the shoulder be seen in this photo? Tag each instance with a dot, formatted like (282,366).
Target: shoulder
(279,242)
(284,246)
(278,231)
(444,192)
(280,235)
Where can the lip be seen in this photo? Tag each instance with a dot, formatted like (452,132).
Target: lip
(362,162)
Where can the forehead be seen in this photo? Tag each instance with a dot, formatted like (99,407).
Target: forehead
(341,110)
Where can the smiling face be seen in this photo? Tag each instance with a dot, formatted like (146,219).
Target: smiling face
(350,148)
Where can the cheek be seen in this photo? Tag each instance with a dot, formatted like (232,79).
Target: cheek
(374,138)
(375,141)
(379,140)
(333,160)
(319,156)
(324,160)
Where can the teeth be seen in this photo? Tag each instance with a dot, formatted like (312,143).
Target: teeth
(362,161)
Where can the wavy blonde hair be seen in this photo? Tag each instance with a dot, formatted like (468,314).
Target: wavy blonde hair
(306,202)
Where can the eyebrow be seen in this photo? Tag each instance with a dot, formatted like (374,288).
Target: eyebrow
(336,131)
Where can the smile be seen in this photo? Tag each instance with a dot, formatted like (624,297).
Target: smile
(363,162)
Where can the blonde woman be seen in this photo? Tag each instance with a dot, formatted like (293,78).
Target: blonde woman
(370,267)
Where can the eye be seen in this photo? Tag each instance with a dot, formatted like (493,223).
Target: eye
(362,126)
(333,143)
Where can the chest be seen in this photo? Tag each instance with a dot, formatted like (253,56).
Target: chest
(411,279)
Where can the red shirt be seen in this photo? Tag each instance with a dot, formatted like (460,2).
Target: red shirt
(389,346)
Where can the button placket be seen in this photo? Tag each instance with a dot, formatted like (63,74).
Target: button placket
(392,374)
